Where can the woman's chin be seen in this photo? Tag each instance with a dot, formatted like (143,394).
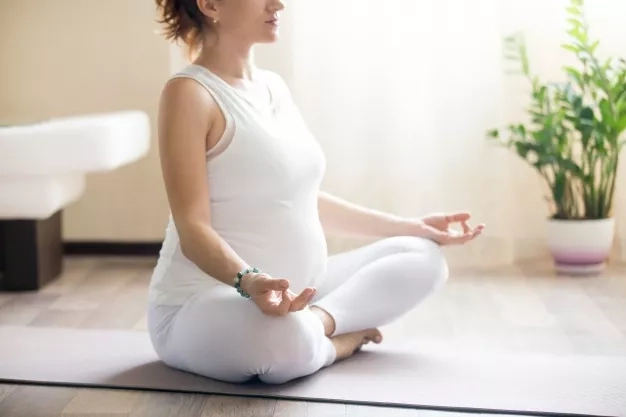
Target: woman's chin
(268,39)
(270,35)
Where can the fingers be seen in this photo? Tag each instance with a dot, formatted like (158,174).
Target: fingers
(283,307)
(277,305)
(301,301)
(458,217)
(451,237)
(275,284)
(467,235)
(285,302)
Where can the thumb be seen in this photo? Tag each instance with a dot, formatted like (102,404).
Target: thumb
(276,284)
(457,217)
(438,236)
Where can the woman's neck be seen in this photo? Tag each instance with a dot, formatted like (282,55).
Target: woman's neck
(230,61)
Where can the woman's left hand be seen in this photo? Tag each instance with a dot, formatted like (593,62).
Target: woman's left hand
(438,227)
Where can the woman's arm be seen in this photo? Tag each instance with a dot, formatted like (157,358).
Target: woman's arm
(187,113)
(340,217)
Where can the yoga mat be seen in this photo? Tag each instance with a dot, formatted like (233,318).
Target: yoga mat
(411,375)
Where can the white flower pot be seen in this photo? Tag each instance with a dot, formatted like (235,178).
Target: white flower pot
(580,247)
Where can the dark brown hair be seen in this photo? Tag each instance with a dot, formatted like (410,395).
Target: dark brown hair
(182,20)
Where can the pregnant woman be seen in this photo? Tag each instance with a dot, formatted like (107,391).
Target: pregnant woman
(244,286)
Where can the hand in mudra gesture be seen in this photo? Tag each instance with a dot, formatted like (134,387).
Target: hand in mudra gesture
(438,227)
(273,296)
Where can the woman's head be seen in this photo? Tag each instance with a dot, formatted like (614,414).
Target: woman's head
(195,21)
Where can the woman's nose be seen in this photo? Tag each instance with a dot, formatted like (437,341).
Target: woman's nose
(277,5)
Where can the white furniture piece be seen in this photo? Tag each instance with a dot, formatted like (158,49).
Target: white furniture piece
(43,169)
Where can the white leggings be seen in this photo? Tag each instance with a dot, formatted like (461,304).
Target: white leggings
(220,335)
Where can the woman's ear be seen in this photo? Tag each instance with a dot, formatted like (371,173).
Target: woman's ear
(208,8)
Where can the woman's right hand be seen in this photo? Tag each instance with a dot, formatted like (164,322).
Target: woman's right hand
(273,296)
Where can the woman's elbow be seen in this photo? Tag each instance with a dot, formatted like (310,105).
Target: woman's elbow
(189,236)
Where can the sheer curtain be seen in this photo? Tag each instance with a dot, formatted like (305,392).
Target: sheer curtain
(400,94)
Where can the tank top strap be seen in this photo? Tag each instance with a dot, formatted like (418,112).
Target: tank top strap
(217,87)
(223,96)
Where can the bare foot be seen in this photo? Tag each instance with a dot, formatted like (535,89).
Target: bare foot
(349,343)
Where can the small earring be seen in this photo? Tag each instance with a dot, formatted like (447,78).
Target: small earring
(215,21)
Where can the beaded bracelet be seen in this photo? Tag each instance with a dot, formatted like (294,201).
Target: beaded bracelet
(238,278)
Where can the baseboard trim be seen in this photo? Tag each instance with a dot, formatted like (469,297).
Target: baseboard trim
(486,252)
(112,248)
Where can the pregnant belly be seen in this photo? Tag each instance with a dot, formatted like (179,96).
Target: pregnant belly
(289,248)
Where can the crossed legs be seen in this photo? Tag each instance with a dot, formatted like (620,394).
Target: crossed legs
(374,285)
(220,335)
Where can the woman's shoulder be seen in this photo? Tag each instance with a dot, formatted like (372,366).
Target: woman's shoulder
(185,88)
(187,98)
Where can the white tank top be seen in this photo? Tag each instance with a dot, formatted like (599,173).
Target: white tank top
(263,176)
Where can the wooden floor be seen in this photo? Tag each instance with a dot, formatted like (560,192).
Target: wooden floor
(520,308)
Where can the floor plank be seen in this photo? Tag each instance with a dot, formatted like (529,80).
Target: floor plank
(291,408)
(5,297)
(125,307)
(309,409)
(25,307)
(75,271)
(100,401)
(96,291)
(227,406)
(5,390)
(36,401)
(162,404)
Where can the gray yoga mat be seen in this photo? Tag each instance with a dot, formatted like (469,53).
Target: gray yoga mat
(410,375)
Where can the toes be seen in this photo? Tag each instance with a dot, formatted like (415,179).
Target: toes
(376,336)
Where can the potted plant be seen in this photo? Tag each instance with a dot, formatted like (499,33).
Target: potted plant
(573,140)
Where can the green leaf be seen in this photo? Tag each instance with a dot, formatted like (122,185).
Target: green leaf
(571,48)
(522,149)
(544,135)
(605,111)
(575,75)
(600,145)
(572,167)
(587,113)
(575,22)
(541,93)
(574,10)
(577,2)
(578,35)
(577,103)
(493,133)
(620,125)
